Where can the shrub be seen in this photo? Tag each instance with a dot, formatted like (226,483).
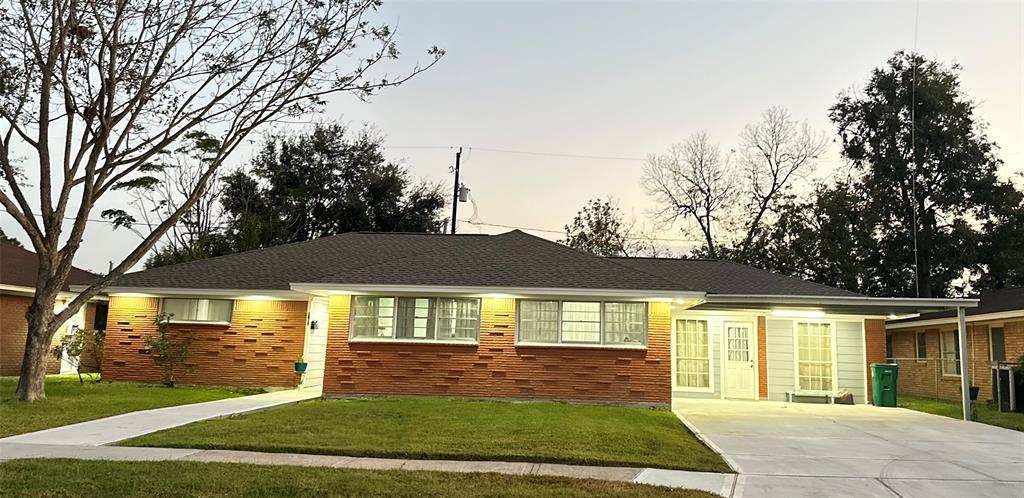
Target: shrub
(169,350)
(84,347)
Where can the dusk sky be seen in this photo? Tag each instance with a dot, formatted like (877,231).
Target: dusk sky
(626,80)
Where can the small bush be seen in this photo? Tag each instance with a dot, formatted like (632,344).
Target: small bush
(84,347)
(169,351)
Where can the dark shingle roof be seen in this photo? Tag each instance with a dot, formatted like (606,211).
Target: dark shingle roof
(509,260)
(992,301)
(726,277)
(513,259)
(18,266)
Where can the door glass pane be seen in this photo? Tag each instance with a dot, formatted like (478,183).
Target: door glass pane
(737,343)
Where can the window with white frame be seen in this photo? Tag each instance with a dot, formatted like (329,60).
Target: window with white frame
(416,318)
(814,356)
(950,350)
(693,354)
(582,322)
(197,310)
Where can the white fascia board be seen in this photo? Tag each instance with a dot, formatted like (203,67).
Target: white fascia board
(31,291)
(231,293)
(1001,315)
(510,291)
(842,300)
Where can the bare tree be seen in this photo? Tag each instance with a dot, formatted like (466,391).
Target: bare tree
(92,91)
(774,152)
(177,178)
(694,182)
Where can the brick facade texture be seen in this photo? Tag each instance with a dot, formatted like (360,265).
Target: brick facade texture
(874,348)
(762,357)
(496,367)
(925,378)
(259,348)
(14,331)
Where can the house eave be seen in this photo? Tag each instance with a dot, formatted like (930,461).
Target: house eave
(846,304)
(984,317)
(325,288)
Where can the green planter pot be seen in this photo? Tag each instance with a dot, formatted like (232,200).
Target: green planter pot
(300,366)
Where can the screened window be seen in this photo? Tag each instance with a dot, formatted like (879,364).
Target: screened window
(693,354)
(197,310)
(415,318)
(950,348)
(997,338)
(814,356)
(922,347)
(582,322)
(889,355)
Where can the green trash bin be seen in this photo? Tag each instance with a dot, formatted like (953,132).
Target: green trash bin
(883,383)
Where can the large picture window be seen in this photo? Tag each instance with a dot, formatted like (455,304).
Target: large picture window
(197,310)
(950,350)
(693,354)
(814,356)
(582,322)
(416,318)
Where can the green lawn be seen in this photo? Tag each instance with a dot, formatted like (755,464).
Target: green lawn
(81,478)
(67,401)
(456,429)
(985,413)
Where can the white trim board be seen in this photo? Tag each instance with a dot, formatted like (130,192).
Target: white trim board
(999,315)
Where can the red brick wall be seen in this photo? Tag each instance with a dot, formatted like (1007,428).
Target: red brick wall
(13,332)
(874,347)
(926,379)
(762,357)
(496,367)
(259,348)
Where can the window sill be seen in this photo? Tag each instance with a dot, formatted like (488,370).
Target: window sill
(425,342)
(693,389)
(579,345)
(197,322)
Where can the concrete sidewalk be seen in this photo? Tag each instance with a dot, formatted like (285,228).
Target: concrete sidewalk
(721,484)
(128,425)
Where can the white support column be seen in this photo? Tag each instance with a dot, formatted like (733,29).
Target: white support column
(965,378)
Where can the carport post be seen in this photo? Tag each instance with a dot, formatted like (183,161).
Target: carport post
(965,378)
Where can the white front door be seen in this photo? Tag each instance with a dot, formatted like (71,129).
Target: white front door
(740,361)
(316,345)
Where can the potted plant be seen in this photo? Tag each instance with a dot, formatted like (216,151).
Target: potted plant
(300,365)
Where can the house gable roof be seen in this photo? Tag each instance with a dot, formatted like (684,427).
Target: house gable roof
(509,260)
(19,266)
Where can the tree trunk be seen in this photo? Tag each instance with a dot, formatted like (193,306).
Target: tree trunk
(41,327)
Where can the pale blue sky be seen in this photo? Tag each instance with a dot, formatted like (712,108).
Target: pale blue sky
(629,79)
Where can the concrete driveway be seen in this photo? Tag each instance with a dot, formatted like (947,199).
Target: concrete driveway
(794,450)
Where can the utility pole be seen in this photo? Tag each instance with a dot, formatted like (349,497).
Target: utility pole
(455,196)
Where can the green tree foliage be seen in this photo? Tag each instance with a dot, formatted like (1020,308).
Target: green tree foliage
(598,228)
(324,182)
(928,164)
(169,351)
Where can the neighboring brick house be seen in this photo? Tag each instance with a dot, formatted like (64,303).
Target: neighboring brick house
(17,286)
(925,349)
(508,315)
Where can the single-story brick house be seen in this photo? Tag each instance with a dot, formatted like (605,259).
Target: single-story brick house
(928,354)
(18,268)
(509,315)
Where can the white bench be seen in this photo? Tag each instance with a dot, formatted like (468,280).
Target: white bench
(827,395)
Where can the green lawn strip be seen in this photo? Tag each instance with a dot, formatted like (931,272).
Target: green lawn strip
(457,429)
(985,413)
(68,402)
(84,478)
